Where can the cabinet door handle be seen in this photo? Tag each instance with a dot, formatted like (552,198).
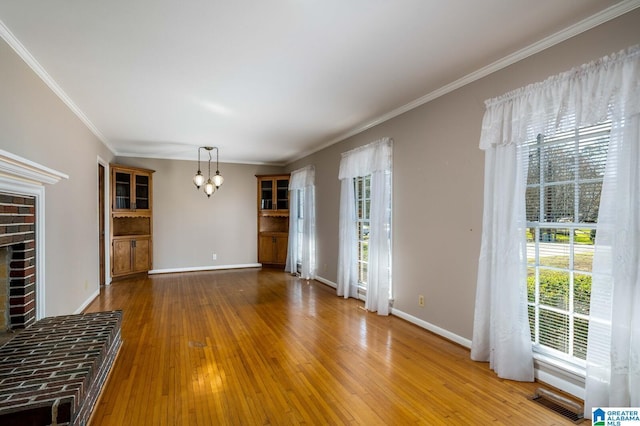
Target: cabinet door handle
(133,243)
(273,239)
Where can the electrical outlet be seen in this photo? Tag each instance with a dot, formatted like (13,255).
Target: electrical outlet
(214,257)
(421,300)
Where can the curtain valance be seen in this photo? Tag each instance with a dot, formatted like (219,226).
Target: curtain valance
(302,178)
(580,97)
(367,159)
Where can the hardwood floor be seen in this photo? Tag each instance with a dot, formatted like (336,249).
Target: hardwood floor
(252,347)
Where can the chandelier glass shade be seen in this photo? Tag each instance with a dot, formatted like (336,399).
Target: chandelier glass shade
(213,182)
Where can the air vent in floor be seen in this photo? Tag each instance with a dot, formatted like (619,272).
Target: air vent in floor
(559,404)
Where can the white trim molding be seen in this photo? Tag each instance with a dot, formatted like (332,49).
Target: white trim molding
(87,302)
(107,221)
(21,176)
(599,18)
(16,167)
(433,328)
(327,282)
(204,268)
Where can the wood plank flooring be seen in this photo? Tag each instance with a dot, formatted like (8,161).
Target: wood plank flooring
(254,347)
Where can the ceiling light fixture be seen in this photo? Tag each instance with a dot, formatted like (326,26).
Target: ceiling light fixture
(213,183)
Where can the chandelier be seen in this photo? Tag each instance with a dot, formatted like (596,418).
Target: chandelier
(213,183)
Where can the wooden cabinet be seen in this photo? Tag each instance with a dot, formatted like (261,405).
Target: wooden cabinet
(131,255)
(131,220)
(273,219)
(272,249)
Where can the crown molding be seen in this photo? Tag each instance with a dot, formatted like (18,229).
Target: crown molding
(193,158)
(599,18)
(26,56)
(608,14)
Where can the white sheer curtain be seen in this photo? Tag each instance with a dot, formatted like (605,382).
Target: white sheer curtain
(501,329)
(374,159)
(606,89)
(613,351)
(302,183)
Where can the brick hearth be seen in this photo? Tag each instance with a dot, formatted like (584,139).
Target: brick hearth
(54,370)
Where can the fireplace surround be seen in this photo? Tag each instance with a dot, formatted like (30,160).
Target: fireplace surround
(22,239)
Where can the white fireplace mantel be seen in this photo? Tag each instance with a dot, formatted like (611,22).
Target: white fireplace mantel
(21,176)
(13,166)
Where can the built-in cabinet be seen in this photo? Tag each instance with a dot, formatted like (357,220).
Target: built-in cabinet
(273,219)
(131,220)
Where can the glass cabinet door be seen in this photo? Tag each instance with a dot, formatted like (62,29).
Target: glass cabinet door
(266,195)
(142,192)
(282,201)
(123,191)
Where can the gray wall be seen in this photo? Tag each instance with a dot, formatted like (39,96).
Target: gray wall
(438,178)
(37,125)
(438,182)
(188,227)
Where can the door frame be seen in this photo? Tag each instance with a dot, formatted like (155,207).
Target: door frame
(107,223)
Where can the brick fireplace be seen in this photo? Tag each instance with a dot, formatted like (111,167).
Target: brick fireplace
(22,235)
(17,261)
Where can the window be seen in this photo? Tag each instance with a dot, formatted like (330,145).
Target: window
(364,256)
(562,199)
(300,228)
(301,249)
(363,216)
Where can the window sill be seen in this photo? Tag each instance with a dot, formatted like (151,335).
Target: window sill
(560,374)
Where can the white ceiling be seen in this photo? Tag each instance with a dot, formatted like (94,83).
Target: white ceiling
(271,81)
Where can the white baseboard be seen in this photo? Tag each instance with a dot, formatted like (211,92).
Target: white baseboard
(87,302)
(204,268)
(432,328)
(327,282)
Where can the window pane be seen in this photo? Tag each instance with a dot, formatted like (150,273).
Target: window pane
(554,330)
(554,247)
(583,258)
(559,203)
(364,251)
(533,176)
(554,288)
(558,162)
(581,293)
(593,155)
(531,310)
(533,204)
(362,278)
(580,333)
(589,201)
(531,285)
